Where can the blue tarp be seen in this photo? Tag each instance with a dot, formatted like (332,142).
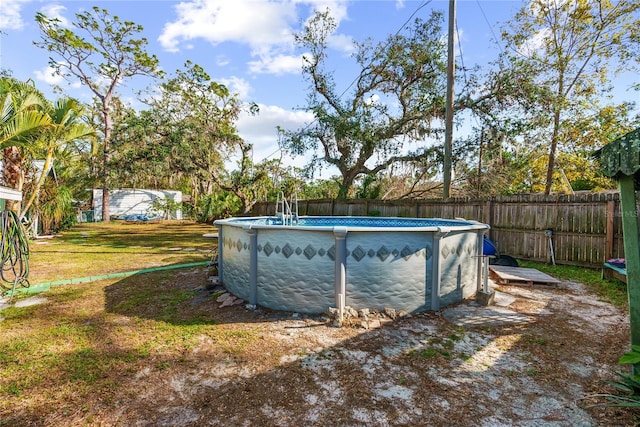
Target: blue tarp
(488,247)
(139,217)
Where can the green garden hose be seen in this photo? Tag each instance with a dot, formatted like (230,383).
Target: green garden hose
(14,248)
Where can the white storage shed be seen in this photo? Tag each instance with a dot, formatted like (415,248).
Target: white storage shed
(135,203)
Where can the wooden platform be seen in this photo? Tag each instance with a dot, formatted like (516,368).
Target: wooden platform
(520,276)
(611,270)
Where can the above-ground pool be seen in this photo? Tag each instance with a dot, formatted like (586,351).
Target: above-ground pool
(409,264)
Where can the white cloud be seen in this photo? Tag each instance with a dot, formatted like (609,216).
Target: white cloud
(238,85)
(48,76)
(261,130)
(256,23)
(341,42)
(278,64)
(267,27)
(222,60)
(10,14)
(54,11)
(337,9)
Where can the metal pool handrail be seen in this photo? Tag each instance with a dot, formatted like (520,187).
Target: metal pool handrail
(287,216)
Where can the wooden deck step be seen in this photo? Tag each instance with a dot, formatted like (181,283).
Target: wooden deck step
(520,276)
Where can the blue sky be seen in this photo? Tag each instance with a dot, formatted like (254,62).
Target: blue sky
(247,45)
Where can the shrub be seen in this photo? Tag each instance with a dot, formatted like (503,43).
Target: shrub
(628,383)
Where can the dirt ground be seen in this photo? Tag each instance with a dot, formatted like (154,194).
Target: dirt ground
(534,358)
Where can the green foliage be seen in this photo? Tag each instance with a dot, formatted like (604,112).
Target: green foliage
(627,383)
(100,50)
(321,189)
(23,118)
(371,188)
(61,126)
(165,205)
(69,220)
(217,205)
(509,159)
(187,138)
(67,127)
(56,209)
(22,113)
(632,357)
(428,353)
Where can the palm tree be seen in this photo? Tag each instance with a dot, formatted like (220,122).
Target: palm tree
(22,112)
(22,118)
(66,126)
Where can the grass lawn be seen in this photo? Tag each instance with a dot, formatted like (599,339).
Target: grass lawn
(93,249)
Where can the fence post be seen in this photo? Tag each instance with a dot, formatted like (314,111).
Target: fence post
(611,212)
(488,215)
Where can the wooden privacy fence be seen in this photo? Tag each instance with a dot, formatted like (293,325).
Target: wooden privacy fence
(586,229)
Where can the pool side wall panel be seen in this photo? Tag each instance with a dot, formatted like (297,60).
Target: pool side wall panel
(388,269)
(296,270)
(458,267)
(236,261)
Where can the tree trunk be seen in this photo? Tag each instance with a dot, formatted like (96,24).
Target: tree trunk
(39,183)
(557,108)
(346,184)
(13,174)
(247,206)
(106,217)
(552,152)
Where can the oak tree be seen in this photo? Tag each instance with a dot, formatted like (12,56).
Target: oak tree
(392,107)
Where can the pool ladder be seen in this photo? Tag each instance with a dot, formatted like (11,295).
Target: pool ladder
(284,210)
